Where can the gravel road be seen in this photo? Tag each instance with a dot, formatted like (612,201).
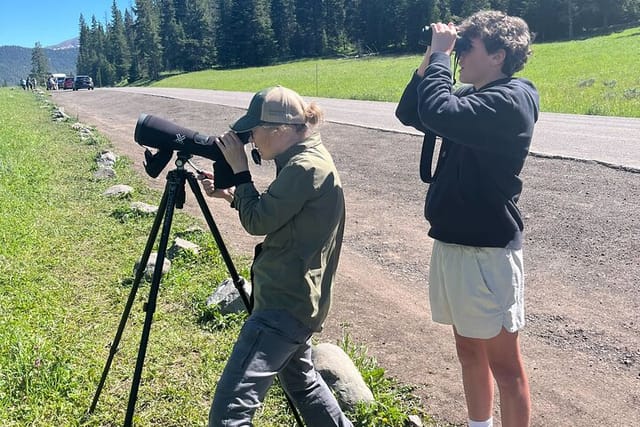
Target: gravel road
(582,341)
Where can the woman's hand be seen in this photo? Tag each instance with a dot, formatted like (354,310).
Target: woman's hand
(206,179)
(233,150)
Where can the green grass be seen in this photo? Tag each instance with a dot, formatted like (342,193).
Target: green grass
(66,267)
(594,76)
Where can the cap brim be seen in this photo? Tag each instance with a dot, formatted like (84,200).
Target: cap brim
(245,124)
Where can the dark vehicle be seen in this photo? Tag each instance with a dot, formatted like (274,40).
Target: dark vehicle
(60,81)
(68,83)
(83,82)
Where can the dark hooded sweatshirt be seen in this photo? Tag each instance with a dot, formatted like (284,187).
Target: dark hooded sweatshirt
(486,135)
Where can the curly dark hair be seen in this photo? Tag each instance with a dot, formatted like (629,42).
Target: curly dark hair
(498,31)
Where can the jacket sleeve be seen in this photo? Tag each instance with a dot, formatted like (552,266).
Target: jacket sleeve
(487,119)
(407,109)
(261,214)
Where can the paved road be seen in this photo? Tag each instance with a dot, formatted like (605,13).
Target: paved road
(610,140)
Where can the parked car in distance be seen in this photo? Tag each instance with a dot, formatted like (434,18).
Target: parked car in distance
(83,82)
(59,78)
(68,83)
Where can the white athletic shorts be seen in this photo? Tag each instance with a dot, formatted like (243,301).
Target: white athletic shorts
(477,290)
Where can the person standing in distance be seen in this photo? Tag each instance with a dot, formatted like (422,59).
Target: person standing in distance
(476,276)
(302,215)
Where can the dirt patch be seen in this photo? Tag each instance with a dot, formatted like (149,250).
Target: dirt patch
(582,340)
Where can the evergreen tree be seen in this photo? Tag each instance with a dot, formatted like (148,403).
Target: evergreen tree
(252,41)
(420,13)
(117,47)
(148,47)
(384,24)
(442,11)
(39,63)
(225,39)
(469,7)
(84,51)
(352,23)
(130,34)
(310,38)
(181,8)
(172,37)
(283,19)
(94,59)
(502,5)
(337,39)
(519,7)
(199,45)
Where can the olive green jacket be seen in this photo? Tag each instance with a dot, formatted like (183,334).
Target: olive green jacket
(302,215)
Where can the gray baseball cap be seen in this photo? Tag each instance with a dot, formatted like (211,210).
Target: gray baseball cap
(273,105)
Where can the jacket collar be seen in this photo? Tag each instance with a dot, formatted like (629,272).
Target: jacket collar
(284,157)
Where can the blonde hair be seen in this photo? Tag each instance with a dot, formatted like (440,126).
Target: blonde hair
(314,116)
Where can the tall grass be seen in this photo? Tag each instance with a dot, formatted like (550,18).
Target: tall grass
(66,262)
(594,76)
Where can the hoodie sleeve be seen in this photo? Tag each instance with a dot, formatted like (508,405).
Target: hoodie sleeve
(487,119)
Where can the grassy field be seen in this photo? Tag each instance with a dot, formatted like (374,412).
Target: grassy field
(66,262)
(595,76)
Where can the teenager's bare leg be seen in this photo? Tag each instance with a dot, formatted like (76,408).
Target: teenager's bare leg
(504,356)
(476,376)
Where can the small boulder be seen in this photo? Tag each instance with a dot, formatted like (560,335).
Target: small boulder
(341,375)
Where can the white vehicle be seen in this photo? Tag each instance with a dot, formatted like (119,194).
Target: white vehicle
(59,78)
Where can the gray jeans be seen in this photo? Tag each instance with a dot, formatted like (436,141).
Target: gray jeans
(273,342)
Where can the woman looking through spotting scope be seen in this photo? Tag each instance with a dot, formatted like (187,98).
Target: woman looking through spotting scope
(301,215)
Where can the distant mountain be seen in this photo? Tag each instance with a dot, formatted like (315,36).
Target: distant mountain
(67,44)
(15,61)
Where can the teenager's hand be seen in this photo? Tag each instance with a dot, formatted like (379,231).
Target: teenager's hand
(444,37)
(425,62)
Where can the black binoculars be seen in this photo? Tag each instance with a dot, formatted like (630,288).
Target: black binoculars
(463,44)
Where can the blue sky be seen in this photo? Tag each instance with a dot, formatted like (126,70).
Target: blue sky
(23,23)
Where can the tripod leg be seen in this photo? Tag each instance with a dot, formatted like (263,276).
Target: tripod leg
(174,183)
(193,183)
(134,288)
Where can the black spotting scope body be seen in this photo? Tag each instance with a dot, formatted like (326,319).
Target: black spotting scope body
(167,137)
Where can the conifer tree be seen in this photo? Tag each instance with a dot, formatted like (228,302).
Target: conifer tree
(283,21)
(199,45)
(419,13)
(224,36)
(148,47)
(249,39)
(310,39)
(130,34)
(117,47)
(84,52)
(102,70)
(39,63)
(334,23)
(172,37)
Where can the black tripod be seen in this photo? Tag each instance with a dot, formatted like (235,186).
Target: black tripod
(172,198)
